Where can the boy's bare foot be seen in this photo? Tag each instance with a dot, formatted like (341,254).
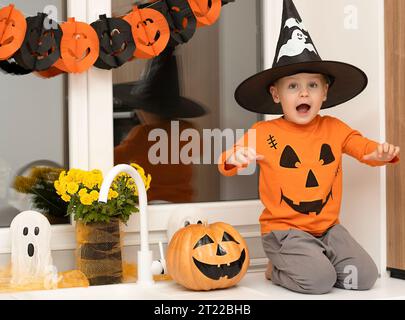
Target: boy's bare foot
(269,270)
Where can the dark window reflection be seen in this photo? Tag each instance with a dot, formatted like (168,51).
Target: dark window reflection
(33,188)
(191,86)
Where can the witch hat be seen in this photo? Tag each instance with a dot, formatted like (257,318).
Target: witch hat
(158,92)
(296,53)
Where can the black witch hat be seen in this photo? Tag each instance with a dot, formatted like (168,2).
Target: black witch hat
(158,92)
(296,53)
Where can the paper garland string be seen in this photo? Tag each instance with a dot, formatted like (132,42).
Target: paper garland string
(28,45)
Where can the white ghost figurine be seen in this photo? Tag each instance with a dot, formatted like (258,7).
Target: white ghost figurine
(30,247)
(295,46)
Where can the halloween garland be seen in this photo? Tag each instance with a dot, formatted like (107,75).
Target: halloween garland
(39,44)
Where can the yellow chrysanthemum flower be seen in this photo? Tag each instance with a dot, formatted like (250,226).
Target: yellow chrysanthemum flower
(88,181)
(63,189)
(148,181)
(86,199)
(130,184)
(82,192)
(76,175)
(72,187)
(122,175)
(84,186)
(138,168)
(98,179)
(68,178)
(112,194)
(62,175)
(94,195)
(57,186)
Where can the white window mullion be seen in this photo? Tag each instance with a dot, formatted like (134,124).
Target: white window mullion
(100,97)
(78,104)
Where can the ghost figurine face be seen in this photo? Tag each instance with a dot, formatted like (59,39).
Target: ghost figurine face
(30,247)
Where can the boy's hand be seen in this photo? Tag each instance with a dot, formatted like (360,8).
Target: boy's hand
(384,152)
(243,156)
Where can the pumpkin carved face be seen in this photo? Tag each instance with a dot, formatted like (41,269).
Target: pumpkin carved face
(150,31)
(116,42)
(206,257)
(79,47)
(12,31)
(41,46)
(180,17)
(308,180)
(206,12)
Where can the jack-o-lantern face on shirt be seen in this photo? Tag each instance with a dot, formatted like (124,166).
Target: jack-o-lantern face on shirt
(306,189)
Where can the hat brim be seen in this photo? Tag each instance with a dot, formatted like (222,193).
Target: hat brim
(348,81)
(164,106)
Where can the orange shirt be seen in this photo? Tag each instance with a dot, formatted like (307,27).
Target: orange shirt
(300,181)
(170,182)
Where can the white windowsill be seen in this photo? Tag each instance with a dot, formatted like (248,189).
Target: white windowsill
(243,215)
(252,287)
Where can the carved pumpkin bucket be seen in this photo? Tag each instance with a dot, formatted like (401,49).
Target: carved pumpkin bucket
(207,257)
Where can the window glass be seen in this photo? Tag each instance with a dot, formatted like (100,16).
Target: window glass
(167,108)
(33,135)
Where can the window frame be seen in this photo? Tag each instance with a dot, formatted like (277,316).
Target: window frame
(90,119)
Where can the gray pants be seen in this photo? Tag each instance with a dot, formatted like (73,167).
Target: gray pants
(308,264)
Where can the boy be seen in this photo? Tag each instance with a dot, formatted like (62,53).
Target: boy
(300,157)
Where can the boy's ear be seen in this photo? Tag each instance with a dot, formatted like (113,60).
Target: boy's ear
(326,92)
(274,93)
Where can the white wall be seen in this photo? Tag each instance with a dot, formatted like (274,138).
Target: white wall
(239,54)
(363,203)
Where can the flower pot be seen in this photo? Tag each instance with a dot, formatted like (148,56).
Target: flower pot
(99,251)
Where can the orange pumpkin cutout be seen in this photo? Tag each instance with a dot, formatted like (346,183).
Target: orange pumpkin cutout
(308,195)
(13,27)
(207,257)
(50,73)
(150,30)
(79,47)
(205,13)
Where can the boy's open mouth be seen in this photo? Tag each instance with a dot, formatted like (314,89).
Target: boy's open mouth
(303,108)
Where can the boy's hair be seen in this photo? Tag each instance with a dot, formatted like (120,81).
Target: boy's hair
(328,79)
